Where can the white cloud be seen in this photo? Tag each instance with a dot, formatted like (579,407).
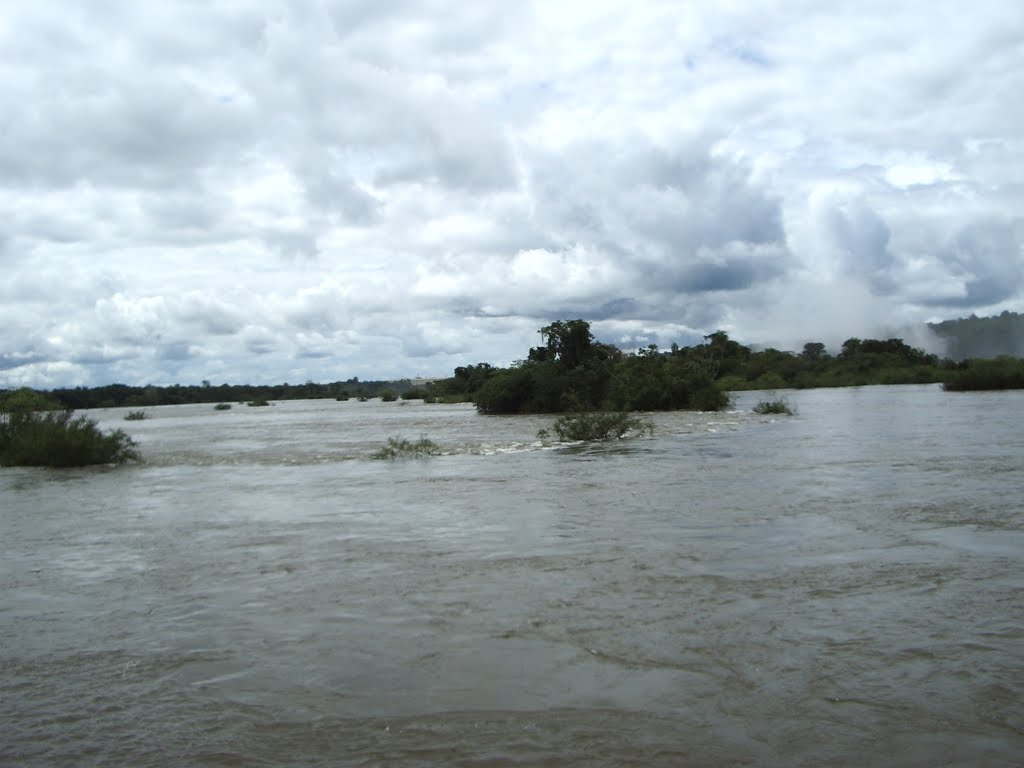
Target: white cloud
(278,191)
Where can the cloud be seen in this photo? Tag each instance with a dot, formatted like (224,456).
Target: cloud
(985,260)
(280,191)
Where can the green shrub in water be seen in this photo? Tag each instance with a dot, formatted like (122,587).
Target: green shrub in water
(400,448)
(773,406)
(599,426)
(58,439)
(135,416)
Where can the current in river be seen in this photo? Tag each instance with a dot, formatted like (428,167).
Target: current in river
(838,587)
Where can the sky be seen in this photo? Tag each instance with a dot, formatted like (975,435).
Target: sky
(265,191)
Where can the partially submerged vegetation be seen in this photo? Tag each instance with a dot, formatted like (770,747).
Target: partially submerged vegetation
(135,416)
(766,407)
(598,426)
(222,407)
(36,431)
(401,448)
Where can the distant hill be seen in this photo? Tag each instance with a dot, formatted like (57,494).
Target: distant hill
(982,337)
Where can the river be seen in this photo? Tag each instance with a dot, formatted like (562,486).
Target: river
(838,587)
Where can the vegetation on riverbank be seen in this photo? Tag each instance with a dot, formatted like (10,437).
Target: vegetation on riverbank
(1001,373)
(36,431)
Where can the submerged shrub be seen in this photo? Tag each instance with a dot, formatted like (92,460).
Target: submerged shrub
(599,426)
(135,416)
(57,439)
(388,396)
(222,407)
(773,406)
(257,403)
(400,448)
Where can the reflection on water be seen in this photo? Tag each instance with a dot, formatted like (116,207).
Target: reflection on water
(840,587)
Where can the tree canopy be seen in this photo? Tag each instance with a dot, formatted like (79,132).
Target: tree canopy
(573,372)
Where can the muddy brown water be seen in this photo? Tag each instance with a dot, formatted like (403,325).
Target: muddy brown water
(840,587)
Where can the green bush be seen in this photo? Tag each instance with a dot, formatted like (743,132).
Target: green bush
(599,426)
(258,403)
(400,448)
(135,416)
(388,396)
(222,407)
(773,407)
(57,439)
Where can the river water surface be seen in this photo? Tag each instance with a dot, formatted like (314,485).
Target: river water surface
(839,587)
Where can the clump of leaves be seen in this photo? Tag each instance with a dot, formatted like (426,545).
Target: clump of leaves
(258,402)
(400,448)
(599,426)
(222,407)
(773,407)
(135,416)
(388,396)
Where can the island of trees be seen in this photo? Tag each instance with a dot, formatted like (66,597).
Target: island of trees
(573,372)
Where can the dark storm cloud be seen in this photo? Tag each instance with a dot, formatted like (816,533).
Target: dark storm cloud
(861,238)
(987,259)
(732,275)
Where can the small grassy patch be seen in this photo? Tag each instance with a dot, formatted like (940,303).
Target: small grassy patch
(400,448)
(260,402)
(222,407)
(135,416)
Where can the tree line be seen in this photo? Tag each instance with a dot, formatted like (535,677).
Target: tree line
(572,371)
(124,395)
